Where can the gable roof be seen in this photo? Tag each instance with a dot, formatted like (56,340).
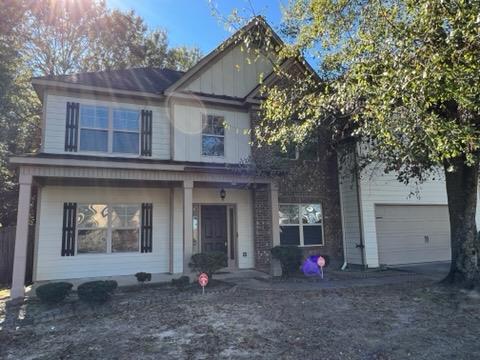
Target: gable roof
(222,48)
(163,81)
(150,80)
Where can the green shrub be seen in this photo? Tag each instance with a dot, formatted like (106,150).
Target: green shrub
(290,258)
(143,276)
(181,283)
(111,285)
(96,291)
(208,262)
(53,292)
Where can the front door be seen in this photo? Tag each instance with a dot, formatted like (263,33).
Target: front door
(214,228)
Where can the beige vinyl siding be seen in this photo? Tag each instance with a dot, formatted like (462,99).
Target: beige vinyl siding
(409,234)
(50,265)
(236,74)
(350,208)
(54,128)
(188,134)
(242,199)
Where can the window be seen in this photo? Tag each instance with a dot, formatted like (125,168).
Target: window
(301,224)
(109,130)
(213,135)
(125,131)
(94,128)
(308,151)
(103,228)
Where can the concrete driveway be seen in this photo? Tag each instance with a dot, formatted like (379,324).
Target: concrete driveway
(435,270)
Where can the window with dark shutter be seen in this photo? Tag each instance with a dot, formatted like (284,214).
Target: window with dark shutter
(146,134)
(146,238)
(71,127)
(68,231)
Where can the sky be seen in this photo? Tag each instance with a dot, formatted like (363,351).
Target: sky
(191,23)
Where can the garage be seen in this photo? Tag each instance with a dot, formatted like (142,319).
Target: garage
(408,234)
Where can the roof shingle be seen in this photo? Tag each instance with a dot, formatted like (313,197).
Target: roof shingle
(151,80)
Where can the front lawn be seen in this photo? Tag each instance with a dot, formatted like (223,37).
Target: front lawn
(409,320)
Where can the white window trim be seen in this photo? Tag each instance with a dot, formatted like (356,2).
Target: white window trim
(301,225)
(214,135)
(109,129)
(109,230)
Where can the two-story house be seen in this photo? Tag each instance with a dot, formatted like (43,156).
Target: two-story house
(136,172)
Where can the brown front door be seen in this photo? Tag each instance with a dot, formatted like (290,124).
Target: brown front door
(214,228)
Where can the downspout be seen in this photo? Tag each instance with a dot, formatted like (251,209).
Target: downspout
(360,245)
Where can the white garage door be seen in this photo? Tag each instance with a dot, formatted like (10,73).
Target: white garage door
(412,234)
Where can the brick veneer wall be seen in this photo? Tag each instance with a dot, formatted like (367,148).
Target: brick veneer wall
(306,182)
(262,215)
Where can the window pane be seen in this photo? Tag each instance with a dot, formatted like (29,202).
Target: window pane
(310,150)
(290,153)
(312,235)
(94,140)
(92,216)
(206,124)
(288,214)
(125,216)
(311,214)
(212,145)
(125,142)
(289,235)
(125,119)
(94,116)
(92,241)
(218,125)
(125,240)
(213,125)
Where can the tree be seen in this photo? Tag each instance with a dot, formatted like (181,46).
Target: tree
(59,34)
(18,104)
(68,36)
(405,76)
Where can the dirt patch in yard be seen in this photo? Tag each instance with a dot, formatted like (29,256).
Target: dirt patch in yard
(412,320)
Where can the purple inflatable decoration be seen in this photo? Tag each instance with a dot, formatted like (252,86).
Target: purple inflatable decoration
(310,266)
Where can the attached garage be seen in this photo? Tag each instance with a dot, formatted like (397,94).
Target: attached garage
(408,234)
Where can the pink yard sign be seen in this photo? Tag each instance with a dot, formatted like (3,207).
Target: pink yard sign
(321,261)
(203,281)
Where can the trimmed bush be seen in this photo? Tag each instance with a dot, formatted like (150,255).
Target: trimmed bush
(143,276)
(208,262)
(96,291)
(181,283)
(52,293)
(290,258)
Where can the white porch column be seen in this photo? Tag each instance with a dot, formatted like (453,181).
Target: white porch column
(187,224)
(21,237)
(275,221)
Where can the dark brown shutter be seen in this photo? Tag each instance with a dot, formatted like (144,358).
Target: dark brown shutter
(68,231)
(71,126)
(146,238)
(146,135)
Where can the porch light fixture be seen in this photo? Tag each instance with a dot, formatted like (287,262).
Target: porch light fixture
(223,193)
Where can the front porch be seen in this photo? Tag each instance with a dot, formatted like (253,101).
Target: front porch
(228,212)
